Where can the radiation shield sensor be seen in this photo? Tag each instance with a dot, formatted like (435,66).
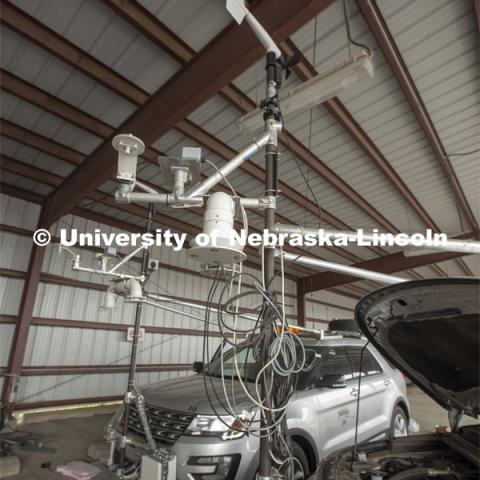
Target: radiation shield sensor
(129,148)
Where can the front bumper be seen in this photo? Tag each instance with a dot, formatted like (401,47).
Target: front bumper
(186,449)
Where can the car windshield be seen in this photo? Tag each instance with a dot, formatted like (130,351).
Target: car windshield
(241,361)
(236,361)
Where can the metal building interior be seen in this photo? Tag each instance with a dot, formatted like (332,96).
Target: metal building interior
(397,153)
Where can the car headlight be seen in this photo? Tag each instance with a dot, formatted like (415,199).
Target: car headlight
(228,428)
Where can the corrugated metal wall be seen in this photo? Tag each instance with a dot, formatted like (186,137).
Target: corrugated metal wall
(78,346)
(323,306)
(15,253)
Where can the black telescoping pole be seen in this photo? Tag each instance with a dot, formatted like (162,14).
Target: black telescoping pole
(271,160)
(133,354)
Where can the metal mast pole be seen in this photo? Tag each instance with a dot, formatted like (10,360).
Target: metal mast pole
(271,159)
(133,355)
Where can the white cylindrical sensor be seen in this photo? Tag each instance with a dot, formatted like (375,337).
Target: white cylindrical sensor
(218,223)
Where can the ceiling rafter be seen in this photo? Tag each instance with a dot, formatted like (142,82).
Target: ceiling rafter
(22,89)
(151,27)
(27,26)
(340,113)
(233,94)
(39,142)
(220,62)
(45,101)
(99,218)
(391,263)
(13,19)
(385,264)
(236,94)
(154,29)
(377,25)
(305,70)
(353,291)
(43,176)
(476,11)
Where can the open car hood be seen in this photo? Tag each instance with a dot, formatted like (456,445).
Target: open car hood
(429,329)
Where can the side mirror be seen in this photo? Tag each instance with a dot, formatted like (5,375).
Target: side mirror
(332,381)
(198,367)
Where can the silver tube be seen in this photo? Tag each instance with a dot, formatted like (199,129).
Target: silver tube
(180,176)
(140,197)
(145,187)
(140,404)
(250,202)
(173,310)
(235,162)
(345,269)
(462,246)
(161,298)
(125,259)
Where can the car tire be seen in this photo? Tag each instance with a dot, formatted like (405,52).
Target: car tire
(300,463)
(399,423)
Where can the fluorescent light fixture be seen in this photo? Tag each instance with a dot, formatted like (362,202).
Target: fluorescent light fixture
(314,91)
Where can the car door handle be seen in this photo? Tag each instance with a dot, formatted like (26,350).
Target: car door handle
(387,382)
(354,392)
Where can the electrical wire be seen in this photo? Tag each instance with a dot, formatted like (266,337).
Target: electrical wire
(349,34)
(357,408)
(461,154)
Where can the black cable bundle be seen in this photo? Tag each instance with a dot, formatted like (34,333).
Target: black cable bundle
(280,378)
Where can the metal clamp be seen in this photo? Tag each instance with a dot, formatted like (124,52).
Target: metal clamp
(260,203)
(267,202)
(129,397)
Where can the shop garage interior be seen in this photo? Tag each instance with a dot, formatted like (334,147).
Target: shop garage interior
(135,116)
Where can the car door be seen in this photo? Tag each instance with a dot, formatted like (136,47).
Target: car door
(373,416)
(334,407)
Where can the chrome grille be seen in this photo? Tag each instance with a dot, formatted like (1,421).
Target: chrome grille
(166,425)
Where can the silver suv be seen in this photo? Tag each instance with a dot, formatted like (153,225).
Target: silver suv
(321,415)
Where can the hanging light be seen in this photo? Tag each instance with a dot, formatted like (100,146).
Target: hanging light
(315,91)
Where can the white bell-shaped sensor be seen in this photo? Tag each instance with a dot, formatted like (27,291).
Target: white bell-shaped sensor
(217,245)
(128,148)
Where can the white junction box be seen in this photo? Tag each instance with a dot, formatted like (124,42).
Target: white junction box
(152,469)
(141,334)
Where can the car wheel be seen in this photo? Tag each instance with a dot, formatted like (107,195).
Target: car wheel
(399,427)
(301,471)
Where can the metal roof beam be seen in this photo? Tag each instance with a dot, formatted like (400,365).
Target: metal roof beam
(392,263)
(48,178)
(386,42)
(476,8)
(337,109)
(231,52)
(142,20)
(50,103)
(151,27)
(44,100)
(26,25)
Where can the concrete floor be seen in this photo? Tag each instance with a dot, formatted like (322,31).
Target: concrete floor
(71,437)
(428,413)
